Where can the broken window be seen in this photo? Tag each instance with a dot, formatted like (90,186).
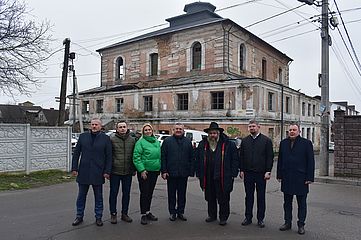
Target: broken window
(148,103)
(217,101)
(153,64)
(85,107)
(183,101)
(196,56)
(100,106)
(119,104)
(120,68)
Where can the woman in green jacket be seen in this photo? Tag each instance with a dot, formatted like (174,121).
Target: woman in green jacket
(146,159)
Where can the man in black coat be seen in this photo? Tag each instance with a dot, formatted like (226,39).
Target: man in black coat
(177,159)
(95,152)
(255,168)
(295,171)
(217,164)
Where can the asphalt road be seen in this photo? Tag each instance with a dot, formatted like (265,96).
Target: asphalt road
(334,212)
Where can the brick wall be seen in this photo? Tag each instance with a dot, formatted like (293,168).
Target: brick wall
(347,145)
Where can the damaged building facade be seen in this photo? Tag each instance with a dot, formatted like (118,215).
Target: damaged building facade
(201,68)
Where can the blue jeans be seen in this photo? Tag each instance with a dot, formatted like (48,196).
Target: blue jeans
(114,190)
(98,197)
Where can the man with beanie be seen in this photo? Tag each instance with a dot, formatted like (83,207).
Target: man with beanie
(177,156)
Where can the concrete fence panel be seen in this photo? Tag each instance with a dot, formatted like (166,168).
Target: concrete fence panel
(27,148)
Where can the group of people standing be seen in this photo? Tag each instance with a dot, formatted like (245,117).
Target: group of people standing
(216,162)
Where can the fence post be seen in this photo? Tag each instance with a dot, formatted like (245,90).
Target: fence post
(27,152)
(69,149)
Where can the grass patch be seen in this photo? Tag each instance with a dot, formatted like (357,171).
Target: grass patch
(19,180)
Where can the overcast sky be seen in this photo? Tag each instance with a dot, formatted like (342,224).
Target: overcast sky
(94,24)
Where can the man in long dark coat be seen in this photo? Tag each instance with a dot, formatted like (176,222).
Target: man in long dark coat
(295,171)
(177,160)
(95,152)
(217,164)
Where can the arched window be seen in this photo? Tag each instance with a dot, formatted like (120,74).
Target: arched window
(120,68)
(153,64)
(196,56)
(242,57)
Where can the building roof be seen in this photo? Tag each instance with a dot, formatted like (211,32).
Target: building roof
(198,14)
(11,114)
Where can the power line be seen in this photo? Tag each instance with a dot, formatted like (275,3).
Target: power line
(348,36)
(276,15)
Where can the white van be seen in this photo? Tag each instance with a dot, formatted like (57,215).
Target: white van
(195,136)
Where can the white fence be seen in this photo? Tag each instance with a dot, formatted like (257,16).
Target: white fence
(27,148)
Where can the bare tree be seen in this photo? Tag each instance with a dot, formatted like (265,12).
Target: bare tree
(24,46)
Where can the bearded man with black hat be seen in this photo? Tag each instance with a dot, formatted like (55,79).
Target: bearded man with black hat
(217,164)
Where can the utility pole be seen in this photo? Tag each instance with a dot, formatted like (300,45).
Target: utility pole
(71,68)
(64,76)
(325,102)
(324,80)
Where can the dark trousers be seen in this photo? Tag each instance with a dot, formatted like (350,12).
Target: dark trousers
(302,208)
(81,200)
(177,188)
(115,181)
(146,188)
(215,194)
(255,181)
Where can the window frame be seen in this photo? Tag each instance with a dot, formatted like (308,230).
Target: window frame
(148,103)
(100,106)
(153,64)
(119,105)
(196,55)
(183,101)
(216,97)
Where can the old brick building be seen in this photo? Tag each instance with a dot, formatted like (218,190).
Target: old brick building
(202,67)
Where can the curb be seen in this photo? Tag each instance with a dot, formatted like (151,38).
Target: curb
(331,180)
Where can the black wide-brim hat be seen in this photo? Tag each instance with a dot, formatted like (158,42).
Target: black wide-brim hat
(213,126)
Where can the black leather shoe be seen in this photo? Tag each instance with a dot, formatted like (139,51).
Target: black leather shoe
(172,217)
(144,220)
(285,227)
(261,224)
(151,217)
(246,222)
(77,221)
(301,230)
(210,219)
(99,222)
(222,222)
(182,217)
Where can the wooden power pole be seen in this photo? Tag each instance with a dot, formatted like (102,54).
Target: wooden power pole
(64,77)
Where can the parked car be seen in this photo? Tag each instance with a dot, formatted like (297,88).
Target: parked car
(161,137)
(331,146)
(237,141)
(195,136)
